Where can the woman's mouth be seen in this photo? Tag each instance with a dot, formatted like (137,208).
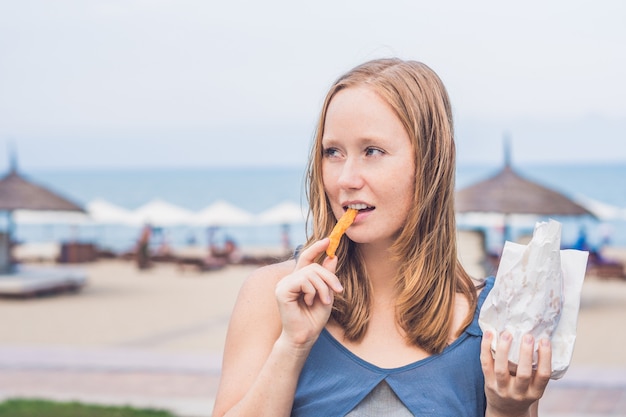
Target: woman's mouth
(361,207)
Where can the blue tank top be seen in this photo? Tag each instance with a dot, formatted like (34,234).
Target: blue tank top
(449,384)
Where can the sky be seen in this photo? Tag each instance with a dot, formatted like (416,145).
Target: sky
(134,84)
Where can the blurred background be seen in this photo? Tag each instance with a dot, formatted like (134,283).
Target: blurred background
(193,102)
(195,118)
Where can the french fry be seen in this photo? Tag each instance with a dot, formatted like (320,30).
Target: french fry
(340,228)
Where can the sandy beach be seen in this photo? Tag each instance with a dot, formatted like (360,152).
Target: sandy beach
(155,337)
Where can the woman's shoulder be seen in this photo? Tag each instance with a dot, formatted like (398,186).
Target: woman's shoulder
(257,293)
(266,277)
(257,299)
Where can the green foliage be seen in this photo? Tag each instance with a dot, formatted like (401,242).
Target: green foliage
(44,408)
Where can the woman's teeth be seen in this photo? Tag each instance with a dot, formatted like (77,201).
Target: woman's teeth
(358,206)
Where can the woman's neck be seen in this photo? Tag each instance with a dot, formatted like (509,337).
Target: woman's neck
(381,269)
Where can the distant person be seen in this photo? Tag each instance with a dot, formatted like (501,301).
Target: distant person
(165,249)
(581,242)
(389,325)
(286,240)
(218,258)
(230,252)
(191,240)
(143,248)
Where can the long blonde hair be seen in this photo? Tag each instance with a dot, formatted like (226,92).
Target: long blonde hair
(430,275)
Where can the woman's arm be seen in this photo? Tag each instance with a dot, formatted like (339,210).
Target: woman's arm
(280,311)
(252,332)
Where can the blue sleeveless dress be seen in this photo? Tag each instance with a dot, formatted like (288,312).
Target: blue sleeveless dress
(449,384)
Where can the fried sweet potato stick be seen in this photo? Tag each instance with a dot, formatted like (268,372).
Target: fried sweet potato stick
(340,228)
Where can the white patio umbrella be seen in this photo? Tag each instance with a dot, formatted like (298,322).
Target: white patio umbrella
(283,213)
(601,210)
(222,213)
(104,212)
(162,213)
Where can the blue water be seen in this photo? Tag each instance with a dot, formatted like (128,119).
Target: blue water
(257,189)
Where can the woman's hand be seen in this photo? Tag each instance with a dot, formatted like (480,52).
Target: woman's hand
(513,395)
(305,297)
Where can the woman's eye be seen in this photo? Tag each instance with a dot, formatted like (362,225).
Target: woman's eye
(374,151)
(330,152)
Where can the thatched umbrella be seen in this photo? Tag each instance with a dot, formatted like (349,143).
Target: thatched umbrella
(509,193)
(17,192)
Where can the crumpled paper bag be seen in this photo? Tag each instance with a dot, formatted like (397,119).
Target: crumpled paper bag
(537,291)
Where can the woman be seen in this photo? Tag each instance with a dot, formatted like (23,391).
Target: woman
(388,326)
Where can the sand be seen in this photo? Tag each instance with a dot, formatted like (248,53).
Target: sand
(162,308)
(166,309)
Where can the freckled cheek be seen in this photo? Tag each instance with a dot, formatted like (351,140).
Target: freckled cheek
(401,198)
(330,184)
(331,188)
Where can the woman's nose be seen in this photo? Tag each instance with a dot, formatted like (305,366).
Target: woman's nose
(351,175)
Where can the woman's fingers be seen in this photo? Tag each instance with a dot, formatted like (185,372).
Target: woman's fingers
(544,363)
(316,285)
(310,279)
(524,371)
(511,391)
(501,364)
(308,293)
(308,257)
(330,264)
(305,296)
(311,253)
(486,357)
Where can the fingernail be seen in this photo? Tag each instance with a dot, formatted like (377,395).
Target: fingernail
(545,342)
(528,339)
(488,335)
(506,336)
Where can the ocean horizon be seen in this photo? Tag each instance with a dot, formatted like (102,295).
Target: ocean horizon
(256,189)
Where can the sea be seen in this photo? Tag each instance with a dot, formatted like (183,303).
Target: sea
(257,189)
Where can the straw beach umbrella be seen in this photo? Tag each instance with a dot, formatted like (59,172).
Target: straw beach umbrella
(508,193)
(19,193)
(16,193)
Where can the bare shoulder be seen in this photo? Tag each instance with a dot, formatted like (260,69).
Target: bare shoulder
(257,299)
(463,307)
(263,280)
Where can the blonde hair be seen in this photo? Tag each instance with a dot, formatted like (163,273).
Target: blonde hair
(430,275)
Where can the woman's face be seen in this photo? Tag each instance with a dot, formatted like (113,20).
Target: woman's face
(367,164)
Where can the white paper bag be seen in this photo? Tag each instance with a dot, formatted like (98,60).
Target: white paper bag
(537,291)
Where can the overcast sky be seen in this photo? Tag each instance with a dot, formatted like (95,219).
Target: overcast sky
(175,83)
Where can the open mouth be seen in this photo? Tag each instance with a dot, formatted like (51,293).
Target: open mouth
(360,207)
